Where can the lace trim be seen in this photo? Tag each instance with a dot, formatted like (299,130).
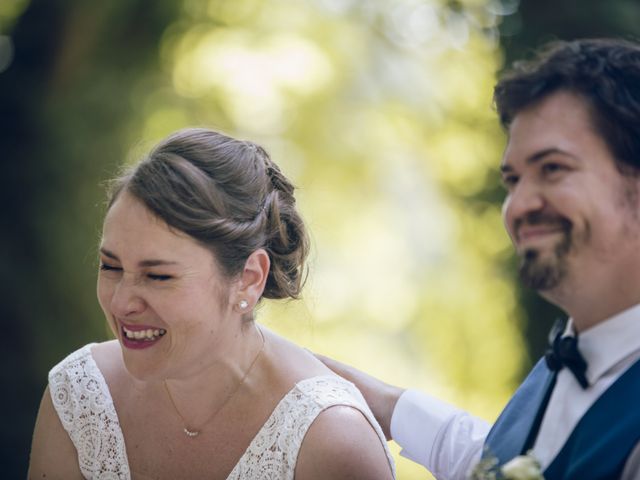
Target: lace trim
(83,402)
(81,397)
(273,453)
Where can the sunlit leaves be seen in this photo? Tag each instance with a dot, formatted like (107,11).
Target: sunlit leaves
(258,78)
(381,113)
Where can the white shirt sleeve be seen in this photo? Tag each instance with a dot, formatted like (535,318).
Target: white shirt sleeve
(444,439)
(632,468)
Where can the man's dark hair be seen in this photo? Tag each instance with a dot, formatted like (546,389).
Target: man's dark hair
(604,72)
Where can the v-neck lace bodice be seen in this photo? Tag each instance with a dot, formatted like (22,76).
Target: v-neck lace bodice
(83,402)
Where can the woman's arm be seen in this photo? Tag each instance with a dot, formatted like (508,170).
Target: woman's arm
(53,455)
(341,445)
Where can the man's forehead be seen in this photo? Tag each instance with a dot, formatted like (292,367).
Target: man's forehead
(558,124)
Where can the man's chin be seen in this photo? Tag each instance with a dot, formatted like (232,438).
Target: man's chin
(541,272)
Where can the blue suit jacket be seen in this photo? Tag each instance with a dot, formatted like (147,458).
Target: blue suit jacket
(599,445)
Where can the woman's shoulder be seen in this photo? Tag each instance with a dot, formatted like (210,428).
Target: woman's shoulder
(75,365)
(77,386)
(302,379)
(70,372)
(108,357)
(340,428)
(343,443)
(108,348)
(289,361)
(76,356)
(87,367)
(82,400)
(344,429)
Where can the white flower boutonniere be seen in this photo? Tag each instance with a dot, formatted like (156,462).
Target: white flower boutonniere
(522,467)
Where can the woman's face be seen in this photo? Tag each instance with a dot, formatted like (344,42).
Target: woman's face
(162,293)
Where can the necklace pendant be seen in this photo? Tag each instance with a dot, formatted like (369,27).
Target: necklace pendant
(191,433)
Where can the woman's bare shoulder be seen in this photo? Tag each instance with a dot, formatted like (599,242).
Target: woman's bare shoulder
(52,452)
(342,444)
(291,361)
(108,351)
(108,358)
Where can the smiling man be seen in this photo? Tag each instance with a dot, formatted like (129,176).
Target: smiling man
(571,209)
(572,174)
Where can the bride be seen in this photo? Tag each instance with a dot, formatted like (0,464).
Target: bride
(194,237)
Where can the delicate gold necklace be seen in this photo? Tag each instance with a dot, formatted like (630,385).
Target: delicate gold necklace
(195,432)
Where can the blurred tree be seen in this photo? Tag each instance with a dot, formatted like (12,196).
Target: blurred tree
(380,112)
(65,114)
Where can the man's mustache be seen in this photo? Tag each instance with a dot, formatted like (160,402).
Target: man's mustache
(543,218)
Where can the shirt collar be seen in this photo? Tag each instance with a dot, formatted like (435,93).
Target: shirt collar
(610,342)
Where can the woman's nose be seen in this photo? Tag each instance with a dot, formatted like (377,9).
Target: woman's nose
(126,300)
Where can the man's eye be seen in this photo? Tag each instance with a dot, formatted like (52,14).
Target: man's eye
(510,180)
(109,268)
(549,168)
(160,278)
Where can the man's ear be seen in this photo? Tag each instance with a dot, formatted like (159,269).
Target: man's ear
(252,280)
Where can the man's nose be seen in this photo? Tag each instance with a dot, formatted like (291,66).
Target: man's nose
(524,199)
(126,298)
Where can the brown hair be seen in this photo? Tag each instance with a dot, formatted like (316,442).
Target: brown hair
(603,72)
(228,195)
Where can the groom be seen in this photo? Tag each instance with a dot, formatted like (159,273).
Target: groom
(571,170)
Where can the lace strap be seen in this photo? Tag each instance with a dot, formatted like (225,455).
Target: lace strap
(273,453)
(338,391)
(83,402)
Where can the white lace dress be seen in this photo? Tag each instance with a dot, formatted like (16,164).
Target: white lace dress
(83,402)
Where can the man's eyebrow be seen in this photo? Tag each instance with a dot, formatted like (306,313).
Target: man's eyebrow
(536,157)
(144,263)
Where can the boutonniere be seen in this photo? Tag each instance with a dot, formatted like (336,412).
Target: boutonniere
(522,467)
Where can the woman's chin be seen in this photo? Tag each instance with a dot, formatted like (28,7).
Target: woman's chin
(141,368)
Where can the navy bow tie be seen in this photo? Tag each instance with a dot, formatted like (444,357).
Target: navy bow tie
(564,352)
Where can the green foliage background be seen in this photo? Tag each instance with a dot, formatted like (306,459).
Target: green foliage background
(380,111)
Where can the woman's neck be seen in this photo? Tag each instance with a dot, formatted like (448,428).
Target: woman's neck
(199,396)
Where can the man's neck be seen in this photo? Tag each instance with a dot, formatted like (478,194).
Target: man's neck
(590,304)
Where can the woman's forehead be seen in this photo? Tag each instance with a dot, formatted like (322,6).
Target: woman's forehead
(131,228)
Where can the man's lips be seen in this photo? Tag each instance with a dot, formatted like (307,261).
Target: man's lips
(531,233)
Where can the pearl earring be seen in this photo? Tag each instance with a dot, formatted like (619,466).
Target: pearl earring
(243,304)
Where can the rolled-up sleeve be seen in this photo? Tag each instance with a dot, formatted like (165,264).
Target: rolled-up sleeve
(444,439)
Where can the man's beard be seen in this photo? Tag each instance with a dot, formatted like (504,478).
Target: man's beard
(546,273)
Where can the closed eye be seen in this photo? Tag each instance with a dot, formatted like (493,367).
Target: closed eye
(160,278)
(109,268)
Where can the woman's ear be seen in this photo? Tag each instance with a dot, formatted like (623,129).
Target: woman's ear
(252,280)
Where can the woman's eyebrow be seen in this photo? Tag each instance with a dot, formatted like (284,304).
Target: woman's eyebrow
(143,263)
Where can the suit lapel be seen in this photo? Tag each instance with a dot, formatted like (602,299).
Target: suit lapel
(516,428)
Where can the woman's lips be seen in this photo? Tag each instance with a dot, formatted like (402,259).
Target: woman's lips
(140,336)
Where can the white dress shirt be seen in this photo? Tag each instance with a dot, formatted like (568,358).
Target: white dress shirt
(448,441)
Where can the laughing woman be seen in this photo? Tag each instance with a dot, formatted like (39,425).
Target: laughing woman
(195,236)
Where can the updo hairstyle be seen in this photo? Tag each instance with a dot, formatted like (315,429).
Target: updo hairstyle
(228,195)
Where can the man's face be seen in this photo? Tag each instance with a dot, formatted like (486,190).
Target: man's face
(570,213)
